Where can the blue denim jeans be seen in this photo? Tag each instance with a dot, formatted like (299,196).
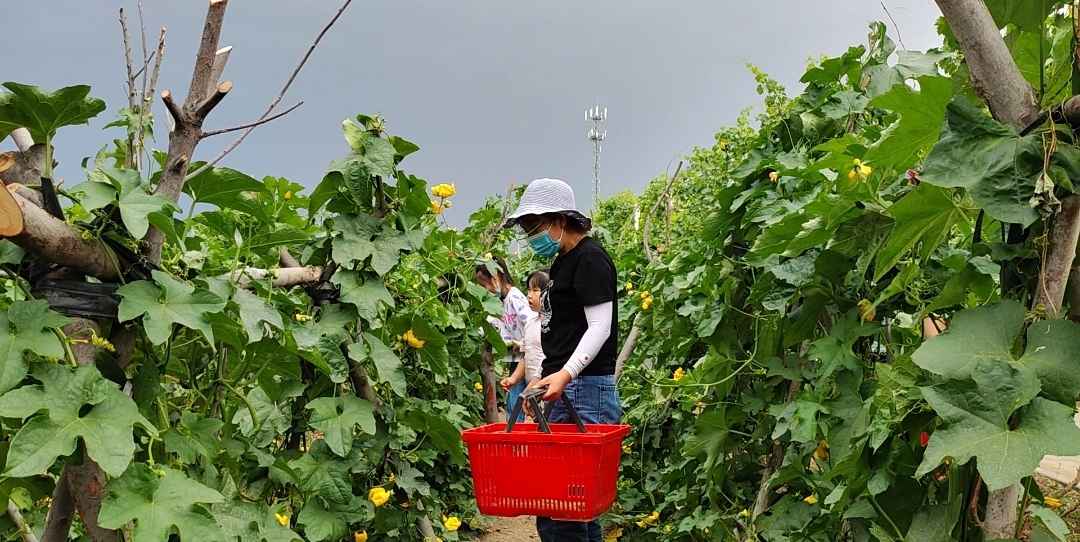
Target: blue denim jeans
(596,400)
(511,399)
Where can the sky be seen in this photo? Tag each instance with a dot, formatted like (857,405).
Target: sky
(493,92)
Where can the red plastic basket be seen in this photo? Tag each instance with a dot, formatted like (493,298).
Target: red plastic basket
(564,474)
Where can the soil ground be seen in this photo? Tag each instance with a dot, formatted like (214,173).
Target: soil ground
(520,529)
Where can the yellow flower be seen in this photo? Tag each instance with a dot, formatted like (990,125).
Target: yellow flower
(613,534)
(627,449)
(644,294)
(451,523)
(1052,502)
(629,286)
(678,374)
(667,528)
(437,207)
(812,499)
(822,451)
(412,340)
(774,176)
(859,171)
(301,317)
(867,311)
(444,190)
(744,513)
(282,519)
(378,496)
(359,536)
(478,386)
(288,195)
(646,305)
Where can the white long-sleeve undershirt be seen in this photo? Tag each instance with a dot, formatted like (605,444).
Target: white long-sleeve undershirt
(599,320)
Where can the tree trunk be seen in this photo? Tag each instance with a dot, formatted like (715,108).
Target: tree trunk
(628,346)
(1059,259)
(772,461)
(487,376)
(993,71)
(61,512)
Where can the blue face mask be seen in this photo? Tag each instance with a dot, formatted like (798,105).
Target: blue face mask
(543,245)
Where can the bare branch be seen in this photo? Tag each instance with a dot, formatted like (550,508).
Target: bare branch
(207,106)
(646,232)
(221,57)
(133,102)
(204,60)
(16,517)
(280,96)
(252,124)
(895,26)
(628,346)
(287,259)
(174,111)
(283,277)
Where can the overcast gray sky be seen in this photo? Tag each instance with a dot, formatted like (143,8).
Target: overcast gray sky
(492,91)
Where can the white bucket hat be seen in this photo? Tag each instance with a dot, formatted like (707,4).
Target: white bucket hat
(548,196)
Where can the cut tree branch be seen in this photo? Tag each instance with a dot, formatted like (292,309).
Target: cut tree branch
(210,103)
(251,124)
(280,278)
(646,233)
(53,240)
(273,105)
(17,518)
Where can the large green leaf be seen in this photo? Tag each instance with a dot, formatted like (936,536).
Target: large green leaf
(242,521)
(710,435)
(43,113)
(166,301)
(337,418)
(58,418)
(321,522)
(990,332)
(976,413)
(361,236)
(834,352)
(268,422)
(882,77)
(442,433)
(160,502)
(321,473)
(1026,14)
(29,326)
(367,294)
(193,437)
(228,189)
(989,159)
(387,364)
(924,217)
(254,312)
(376,153)
(921,115)
(130,196)
(806,226)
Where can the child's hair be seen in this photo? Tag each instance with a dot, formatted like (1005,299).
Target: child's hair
(538,279)
(504,273)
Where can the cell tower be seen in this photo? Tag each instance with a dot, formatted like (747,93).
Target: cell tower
(596,118)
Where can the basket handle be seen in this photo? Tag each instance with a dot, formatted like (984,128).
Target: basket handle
(533,395)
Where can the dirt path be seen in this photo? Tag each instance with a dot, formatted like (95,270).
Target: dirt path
(520,529)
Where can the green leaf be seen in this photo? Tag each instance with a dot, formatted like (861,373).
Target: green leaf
(710,435)
(810,224)
(846,103)
(1025,14)
(989,333)
(921,115)
(94,194)
(10,253)
(376,153)
(925,215)
(989,159)
(882,77)
(1054,526)
(352,240)
(254,312)
(134,202)
(228,189)
(269,421)
(337,417)
(442,433)
(167,301)
(976,413)
(249,522)
(43,113)
(835,351)
(160,501)
(366,296)
(194,437)
(319,472)
(387,364)
(29,327)
(56,421)
(280,236)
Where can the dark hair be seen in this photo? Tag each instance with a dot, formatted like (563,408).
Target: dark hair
(574,222)
(538,279)
(504,272)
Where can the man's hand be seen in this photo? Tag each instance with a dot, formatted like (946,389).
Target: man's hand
(506,384)
(555,383)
